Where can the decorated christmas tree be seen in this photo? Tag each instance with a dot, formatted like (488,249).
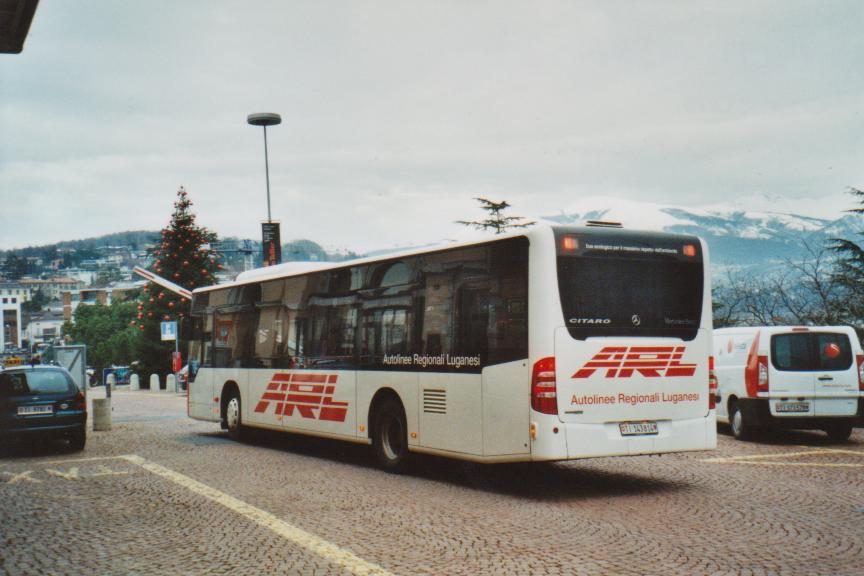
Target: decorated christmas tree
(185,257)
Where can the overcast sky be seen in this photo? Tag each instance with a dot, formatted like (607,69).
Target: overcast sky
(395,114)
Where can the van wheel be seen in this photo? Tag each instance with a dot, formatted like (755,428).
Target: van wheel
(839,432)
(232,417)
(741,429)
(390,437)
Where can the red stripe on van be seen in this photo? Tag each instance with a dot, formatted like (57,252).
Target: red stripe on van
(751,370)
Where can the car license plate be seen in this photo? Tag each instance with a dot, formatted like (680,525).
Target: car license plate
(637,428)
(28,410)
(792,406)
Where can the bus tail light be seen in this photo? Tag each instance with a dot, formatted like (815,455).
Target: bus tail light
(762,382)
(689,250)
(712,385)
(544,394)
(859,359)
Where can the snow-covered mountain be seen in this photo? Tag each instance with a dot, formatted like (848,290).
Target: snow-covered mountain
(736,237)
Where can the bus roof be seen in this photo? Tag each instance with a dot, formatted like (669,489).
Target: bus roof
(289,269)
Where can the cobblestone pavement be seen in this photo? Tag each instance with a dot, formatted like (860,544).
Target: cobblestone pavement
(163,494)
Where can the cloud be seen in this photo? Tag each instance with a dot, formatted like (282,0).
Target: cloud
(396,114)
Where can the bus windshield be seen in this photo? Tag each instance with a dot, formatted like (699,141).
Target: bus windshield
(614,283)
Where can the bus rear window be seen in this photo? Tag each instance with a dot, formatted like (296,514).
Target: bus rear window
(647,288)
(811,351)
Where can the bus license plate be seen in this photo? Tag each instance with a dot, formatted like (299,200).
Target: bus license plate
(792,407)
(29,410)
(637,428)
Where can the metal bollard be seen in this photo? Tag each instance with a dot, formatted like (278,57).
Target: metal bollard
(171,383)
(101,414)
(154,382)
(134,382)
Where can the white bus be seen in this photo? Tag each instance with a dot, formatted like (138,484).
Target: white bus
(550,344)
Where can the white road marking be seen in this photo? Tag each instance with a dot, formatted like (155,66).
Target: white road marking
(76,460)
(71,475)
(763,459)
(330,552)
(810,464)
(105,471)
(21,477)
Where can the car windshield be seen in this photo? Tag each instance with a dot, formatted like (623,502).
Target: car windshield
(34,382)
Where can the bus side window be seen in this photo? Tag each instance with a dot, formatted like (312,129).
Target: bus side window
(473,312)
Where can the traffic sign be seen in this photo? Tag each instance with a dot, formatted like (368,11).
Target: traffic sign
(169,330)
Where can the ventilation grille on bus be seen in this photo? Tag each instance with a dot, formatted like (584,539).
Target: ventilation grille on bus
(435,401)
(603,224)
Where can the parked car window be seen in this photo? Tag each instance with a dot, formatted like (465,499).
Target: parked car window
(35,382)
(13,384)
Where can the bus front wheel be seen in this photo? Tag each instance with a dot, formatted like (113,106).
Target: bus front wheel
(232,417)
(389,437)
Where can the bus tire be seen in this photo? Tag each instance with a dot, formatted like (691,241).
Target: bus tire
(839,432)
(390,436)
(233,418)
(741,428)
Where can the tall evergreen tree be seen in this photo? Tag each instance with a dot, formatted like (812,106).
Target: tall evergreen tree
(183,256)
(849,271)
(496,220)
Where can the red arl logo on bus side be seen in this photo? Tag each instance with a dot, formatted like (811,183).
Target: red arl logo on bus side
(649,361)
(310,394)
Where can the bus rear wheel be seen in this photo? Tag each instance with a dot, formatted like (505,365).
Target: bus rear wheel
(233,419)
(390,437)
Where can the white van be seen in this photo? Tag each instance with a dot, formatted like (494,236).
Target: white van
(789,377)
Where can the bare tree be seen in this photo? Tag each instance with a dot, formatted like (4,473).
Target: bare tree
(806,292)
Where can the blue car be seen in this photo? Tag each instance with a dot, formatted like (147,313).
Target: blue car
(41,401)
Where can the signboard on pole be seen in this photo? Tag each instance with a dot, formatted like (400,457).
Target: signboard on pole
(176,362)
(169,330)
(271,243)
(74,359)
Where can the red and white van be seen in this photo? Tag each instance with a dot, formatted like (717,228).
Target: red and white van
(789,377)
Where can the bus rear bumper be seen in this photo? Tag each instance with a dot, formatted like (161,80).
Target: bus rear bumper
(597,440)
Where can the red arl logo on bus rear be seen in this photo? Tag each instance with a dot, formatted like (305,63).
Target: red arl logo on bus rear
(649,361)
(311,395)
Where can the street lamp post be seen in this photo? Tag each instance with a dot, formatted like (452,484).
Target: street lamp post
(271,242)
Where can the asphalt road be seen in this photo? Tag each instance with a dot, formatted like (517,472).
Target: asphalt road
(163,494)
